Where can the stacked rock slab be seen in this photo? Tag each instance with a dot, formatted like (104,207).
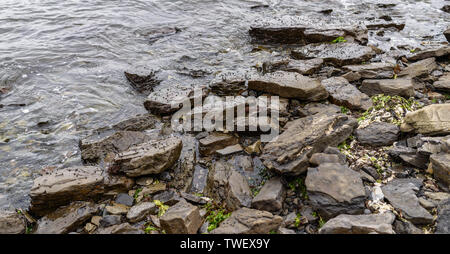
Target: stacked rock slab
(249,221)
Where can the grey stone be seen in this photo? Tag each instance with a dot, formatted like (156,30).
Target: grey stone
(372,70)
(148,158)
(359,224)
(229,186)
(110,220)
(432,52)
(334,189)
(441,168)
(443,219)
(401,195)
(124,199)
(406,227)
(182,218)
(249,221)
(338,54)
(141,210)
(344,94)
(319,158)
(271,196)
(66,219)
(419,69)
(124,228)
(401,86)
(199,179)
(378,134)
(288,85)
(443,84)
(302,138)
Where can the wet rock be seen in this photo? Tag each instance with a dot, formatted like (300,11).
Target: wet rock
(249,221)
(304,67)
(63,186)
(406,227)
(148,158)
(401,87)
(271,196)
(66,219)
(378,134)
(110,220)
(334,189)
(182,218)
(419,69)
(344,94)
(338,54)
(199,179)
(97,147)
(288,85)
(432,120)
(137,123)
(230,150)
(380,25)
(124,228)
(215,141)
(446,8)
(124,199)
(141,210)
(230,88)
(226,185)
(170,99)
(294,31)
(302,138)
(428,53)
(443,84)
(372,70)
(183,171)
(443,219)
(441,168)
(401,195)
(143,84)
(359,224)
(11,223)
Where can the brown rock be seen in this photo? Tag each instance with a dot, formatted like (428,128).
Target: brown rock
(401,87)
(11,223)
(182,218)
(249,221)
(215,141)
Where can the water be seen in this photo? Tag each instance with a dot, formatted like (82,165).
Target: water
(64,61)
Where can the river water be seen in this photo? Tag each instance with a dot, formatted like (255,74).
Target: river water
(63,62)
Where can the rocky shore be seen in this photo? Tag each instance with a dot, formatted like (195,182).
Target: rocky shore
(364,147)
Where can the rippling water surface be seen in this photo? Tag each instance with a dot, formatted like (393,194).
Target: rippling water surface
(63,62)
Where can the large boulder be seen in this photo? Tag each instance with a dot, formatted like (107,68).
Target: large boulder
(99,146)
(401,195)
(227,185)
(63,186)
(344,94)
(182,218)
(372,70)
(249,221)
(441,168)
(338,54)
(290,152)
(66,219)
(359,224)
(271,196)
(288,85)
(11,223)
(334,189)
(148,158)
(432,120)
(378,134)
(401,87)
